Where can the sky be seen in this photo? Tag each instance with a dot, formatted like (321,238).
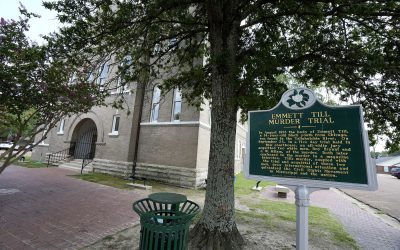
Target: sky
(38,26)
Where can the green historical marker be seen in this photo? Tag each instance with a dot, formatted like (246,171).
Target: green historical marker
(302,141)
(308,146)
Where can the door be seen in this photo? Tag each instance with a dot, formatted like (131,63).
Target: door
(86,144)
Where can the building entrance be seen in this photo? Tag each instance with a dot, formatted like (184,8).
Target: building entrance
(84,137)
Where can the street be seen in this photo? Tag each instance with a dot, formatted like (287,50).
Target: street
(386,198)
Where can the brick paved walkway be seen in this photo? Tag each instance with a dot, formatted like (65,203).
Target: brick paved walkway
(45,209)
(370,232)
(386,198)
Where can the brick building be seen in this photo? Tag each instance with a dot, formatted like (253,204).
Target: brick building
(167,139)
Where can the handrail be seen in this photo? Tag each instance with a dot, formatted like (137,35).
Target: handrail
(61,155)
(87,160)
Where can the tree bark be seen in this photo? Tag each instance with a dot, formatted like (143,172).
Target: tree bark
(216,228)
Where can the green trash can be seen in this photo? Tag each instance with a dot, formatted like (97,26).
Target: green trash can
(164,226)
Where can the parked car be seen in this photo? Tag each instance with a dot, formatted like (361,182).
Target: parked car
(395,172)
(6,145)
(30,146)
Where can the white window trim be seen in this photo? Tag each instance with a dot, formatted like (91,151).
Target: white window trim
(62,126)
(100,73)
(126,89)
(43,143)
(113,131)
(157,48)
(72,80)
(152,104)
(90,77)
(173,107)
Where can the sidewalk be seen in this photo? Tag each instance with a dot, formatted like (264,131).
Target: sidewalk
(386,198)
(45,209)
(369,230)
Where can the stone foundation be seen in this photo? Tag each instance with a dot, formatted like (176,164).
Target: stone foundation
(119,168)
(177,176)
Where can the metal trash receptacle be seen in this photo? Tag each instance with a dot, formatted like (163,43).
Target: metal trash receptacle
(164,226)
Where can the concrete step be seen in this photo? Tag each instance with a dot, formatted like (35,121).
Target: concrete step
(76,165)
(58,163)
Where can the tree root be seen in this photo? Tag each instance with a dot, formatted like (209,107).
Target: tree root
(203,238)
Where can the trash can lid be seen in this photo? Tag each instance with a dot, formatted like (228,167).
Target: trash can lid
(169,198)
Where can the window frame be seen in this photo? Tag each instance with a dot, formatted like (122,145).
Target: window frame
(155,104)
(115,125)
(101,80)
(90,77)
(121,88)
(126,61)
(174,101)
(73,79)
(62,126)
(43,142)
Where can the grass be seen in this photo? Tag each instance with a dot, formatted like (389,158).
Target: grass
(321,223)
(121,183)
(29,163)
(243,186)
(273,215)
(105,179)
(108,237)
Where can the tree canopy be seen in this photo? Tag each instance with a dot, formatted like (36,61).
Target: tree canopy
(35,91)
(351,47)
(232,53)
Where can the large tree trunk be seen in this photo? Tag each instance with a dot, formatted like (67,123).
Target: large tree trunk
(217,228)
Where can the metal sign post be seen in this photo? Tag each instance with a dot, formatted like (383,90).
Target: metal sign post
(302,195)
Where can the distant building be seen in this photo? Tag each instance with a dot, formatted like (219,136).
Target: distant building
(168,139)
(384,164)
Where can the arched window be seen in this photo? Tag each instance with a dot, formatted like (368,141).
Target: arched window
(155,104)
(177,105)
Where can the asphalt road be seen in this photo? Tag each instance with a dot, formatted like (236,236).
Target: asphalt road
(386,198)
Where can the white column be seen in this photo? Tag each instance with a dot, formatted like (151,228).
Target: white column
(302,203)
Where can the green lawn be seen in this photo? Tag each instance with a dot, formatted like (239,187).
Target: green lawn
(273,215)
(29,163)
(105,179)
(320,220)
(243,186)
(120,182)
